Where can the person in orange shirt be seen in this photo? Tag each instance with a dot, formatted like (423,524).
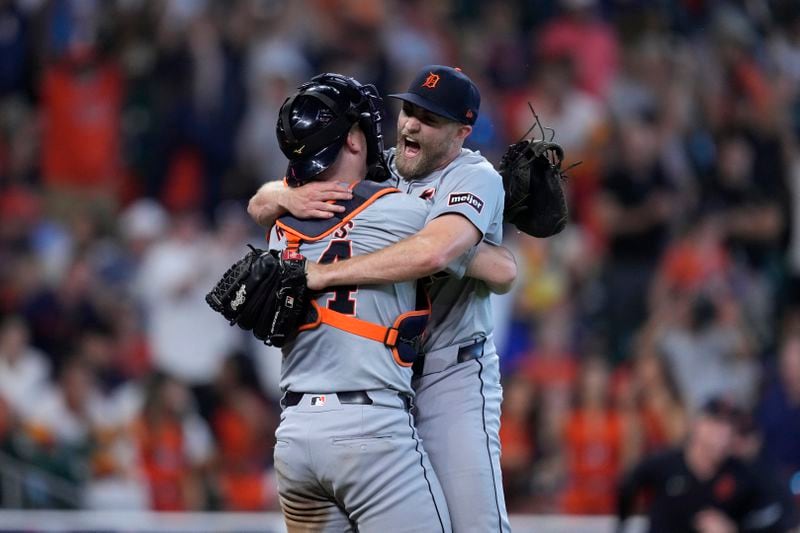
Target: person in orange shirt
(658,404)
(82,105)
(552,364)
(245,428)
(168,452)
(694,261)
(598,441)
(517,438)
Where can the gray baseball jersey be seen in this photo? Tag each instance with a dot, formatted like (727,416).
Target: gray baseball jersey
(470,187)
(348,456)
(457,405)
(329,359)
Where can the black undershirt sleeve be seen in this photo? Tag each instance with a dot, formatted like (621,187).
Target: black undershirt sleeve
(639,477)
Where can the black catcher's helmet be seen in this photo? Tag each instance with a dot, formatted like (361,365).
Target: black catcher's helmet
(314,122)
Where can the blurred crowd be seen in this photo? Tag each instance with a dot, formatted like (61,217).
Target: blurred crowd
(132,133)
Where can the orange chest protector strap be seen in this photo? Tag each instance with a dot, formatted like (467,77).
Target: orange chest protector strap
(404,337)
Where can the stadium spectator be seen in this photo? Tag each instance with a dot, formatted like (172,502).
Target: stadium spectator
(693,262)
(174,446)
(636,207)
(552,363)
(777,511)
(660,411)
(588,40)
(244,425)
(599,441)
(518,439)
(81,102)
(747,193)
(60,429)
(707,347)
(57,315)
(699,486)
(172,282)
(778,413)
(24,370)
(275,66)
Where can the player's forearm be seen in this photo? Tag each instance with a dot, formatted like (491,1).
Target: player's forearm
(407,260)
(316,199)
(495,265)
(266,204)
(439,243)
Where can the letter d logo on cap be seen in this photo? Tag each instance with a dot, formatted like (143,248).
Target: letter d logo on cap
(431,81)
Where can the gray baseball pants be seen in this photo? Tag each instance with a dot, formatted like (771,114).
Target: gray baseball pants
(349,467)
(457,409)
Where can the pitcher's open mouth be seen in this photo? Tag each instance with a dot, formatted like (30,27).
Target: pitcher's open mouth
(410,147)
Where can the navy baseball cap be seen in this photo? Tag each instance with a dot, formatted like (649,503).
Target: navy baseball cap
(445,91)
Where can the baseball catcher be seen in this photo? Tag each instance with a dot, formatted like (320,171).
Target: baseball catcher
(532,176)
(463,202)
(265,291)
(346,379)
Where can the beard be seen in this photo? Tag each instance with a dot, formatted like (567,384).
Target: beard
(415,162)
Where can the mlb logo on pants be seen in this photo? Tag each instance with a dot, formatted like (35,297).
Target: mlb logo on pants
(318,401)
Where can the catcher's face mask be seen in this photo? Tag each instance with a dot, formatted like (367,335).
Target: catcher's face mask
(314,122)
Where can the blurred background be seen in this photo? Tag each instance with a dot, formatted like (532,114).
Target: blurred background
(132,133)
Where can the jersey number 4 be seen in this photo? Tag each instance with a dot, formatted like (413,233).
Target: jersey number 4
(343,300)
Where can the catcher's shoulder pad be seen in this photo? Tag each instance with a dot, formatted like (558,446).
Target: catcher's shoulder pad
(364,194)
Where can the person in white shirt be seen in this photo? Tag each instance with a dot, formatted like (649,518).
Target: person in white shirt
(24,370)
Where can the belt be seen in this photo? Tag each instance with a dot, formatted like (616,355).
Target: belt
(470,352)
(439,360)
(356,397)
(290,399)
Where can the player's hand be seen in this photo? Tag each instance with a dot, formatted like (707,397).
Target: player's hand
(713,521)
(312,199)
(314,279)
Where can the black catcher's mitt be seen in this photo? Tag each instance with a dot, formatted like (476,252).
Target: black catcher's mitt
(265,291)
(534,196)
